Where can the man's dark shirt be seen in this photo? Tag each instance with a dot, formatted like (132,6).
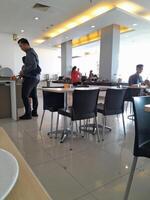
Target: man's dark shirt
(30,64)
(135,79)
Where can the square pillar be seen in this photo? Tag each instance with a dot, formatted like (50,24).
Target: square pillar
(66,58)
(109,52)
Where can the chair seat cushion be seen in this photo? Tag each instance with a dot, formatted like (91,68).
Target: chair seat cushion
(65,112)
(52,109)
(68,113)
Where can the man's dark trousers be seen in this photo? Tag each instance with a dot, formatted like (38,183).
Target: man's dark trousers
(29,89)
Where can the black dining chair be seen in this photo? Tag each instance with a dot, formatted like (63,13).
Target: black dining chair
(130,93)
(52,102)
(84,107)
(142,136)
(113,105)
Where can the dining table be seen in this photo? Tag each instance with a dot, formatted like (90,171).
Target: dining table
(27,187)
(69,90)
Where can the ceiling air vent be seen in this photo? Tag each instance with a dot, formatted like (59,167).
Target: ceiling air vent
(41,7)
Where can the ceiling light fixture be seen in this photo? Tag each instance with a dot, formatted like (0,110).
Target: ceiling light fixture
(92,26)
(84,19)
(39,41)
(22,30)
(71,25)
(61,30)
(147,17)
(135,24)
(129,7)
(53,34)
(36,18)
(100,11)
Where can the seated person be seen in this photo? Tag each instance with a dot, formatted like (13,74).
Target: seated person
(75,76)
(91,75)
(80,74)
(136,78)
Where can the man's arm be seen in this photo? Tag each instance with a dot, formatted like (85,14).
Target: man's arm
(130,81)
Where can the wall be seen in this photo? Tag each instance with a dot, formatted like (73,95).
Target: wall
(11,56)
(6,50)
(49,61)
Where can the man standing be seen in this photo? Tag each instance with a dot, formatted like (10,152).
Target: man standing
(136,78)
(30,75)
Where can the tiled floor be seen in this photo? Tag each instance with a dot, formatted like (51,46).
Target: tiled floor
(92,171)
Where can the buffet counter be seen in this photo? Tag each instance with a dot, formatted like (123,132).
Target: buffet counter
(10,98)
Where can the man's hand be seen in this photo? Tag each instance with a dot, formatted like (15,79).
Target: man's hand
(21,73)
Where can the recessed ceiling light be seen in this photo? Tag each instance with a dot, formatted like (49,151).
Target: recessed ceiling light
(135,24)
(22,30)
(36,18)
(92,26)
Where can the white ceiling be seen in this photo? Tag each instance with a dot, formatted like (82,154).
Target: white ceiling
(114,16)
(18,14)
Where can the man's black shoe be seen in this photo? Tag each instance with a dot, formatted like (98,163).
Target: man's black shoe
(25,117)
(34,114)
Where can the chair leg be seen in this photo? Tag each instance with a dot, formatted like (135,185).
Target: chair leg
(84,127)
(127,104)
(80,126)
(123,124)
(77,128)
(97,129)
(103,129)
(94,125)
(51,132)
(130,178)
(105,121)
(42,120)
(57,125)
(71,136)
(130,108)
(82,131)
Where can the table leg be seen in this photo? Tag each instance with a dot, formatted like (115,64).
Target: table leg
(65,132)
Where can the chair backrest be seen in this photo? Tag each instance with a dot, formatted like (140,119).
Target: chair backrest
(84,104)
(52,100)
(142,125)
(132,92)
(114,101)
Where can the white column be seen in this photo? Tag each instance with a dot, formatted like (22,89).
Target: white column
(109,52)
(66,58)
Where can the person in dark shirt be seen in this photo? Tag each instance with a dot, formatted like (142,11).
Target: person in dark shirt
(30,79)
(136,78)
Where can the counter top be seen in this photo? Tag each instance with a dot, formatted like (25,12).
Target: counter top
(6,80)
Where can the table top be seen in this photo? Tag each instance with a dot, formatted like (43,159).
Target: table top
(62,90)
(28,186)
(147,108)
(136,86)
